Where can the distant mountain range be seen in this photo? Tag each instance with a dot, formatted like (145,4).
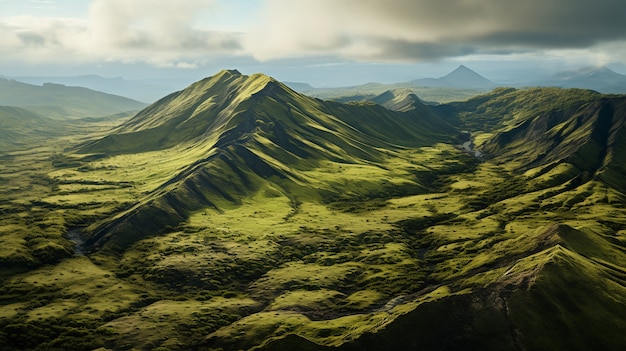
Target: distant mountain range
(601,79)
(461,77)
(144,90)
(463,83)
(459,84)
(301,87)
(63,102)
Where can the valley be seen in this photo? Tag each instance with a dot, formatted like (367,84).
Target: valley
(238,214)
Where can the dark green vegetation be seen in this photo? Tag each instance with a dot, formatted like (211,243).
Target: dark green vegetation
(237,215)
(62,102)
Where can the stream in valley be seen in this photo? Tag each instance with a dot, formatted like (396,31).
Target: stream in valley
(75,235)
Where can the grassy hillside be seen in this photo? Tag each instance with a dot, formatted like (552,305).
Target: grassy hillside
(251,132)
(62,102)
(280,222)
(548,128)
(20,127)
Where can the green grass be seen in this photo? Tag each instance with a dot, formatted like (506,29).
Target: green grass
(287,238)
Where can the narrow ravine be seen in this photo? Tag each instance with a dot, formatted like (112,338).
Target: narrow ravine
(75,235)
(469,147)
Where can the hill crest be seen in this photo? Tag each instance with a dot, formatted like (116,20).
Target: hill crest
(63,102)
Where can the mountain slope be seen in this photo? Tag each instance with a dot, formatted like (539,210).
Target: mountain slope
(224,105)
(281,222)
(398,100)
(584,130)
(548,127)
(63,102)
(20,127)
(257,129)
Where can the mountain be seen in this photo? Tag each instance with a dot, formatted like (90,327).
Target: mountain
(460,84)
(461,77)
(398,100)
(601,79)
(63,102)
(586,133)
(578,132)
(144,90)
(22,128)
(225,106)
(259,128)
(238,214)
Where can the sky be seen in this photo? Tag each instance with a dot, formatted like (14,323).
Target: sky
(321,42)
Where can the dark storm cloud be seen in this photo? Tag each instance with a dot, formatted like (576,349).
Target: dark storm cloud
(401,50)
(431,29)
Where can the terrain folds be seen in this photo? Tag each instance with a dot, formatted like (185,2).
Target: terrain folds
(238,214)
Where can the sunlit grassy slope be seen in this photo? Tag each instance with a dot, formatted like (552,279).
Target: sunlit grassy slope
(239,215)
(251,132)
(20,127)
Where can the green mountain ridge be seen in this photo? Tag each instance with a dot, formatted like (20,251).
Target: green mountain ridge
(590,140)
(256,128)
(398,100)
(238,214)
(585,129)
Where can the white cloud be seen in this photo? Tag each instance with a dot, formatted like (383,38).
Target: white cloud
(164,33)
(38,39)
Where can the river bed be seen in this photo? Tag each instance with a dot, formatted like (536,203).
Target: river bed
(75,235)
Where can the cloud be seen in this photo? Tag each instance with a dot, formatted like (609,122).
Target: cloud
(163,25)
(415,30)
(174,33)
(163,33)
(39,39)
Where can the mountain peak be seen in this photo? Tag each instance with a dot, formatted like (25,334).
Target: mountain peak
(203,107)
(232,72)
(462,68)
(462,76)
(233,77)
